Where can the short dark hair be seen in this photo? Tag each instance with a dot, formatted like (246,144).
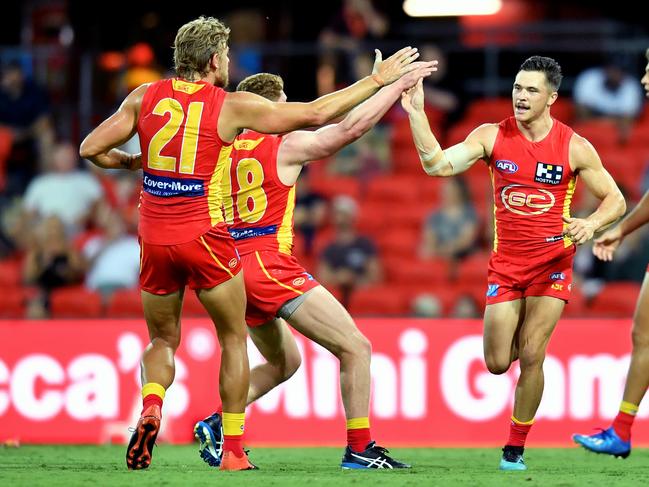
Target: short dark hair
(547,66)
(268,85)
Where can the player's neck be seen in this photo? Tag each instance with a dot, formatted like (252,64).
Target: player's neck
(536,130)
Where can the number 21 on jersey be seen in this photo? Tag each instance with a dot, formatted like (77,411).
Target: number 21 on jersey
(250,200)
(169,130)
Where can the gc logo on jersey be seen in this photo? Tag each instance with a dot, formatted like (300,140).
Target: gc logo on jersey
(548,173)
(526,200)
(510,167)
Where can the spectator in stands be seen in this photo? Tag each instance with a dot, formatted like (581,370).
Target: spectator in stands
(451,230)
(50,262)
(24,111)
(465,307)
(426,305)
(350,260)
(66,191)
(113,256)
(357,21)
(608,92)
(310,211)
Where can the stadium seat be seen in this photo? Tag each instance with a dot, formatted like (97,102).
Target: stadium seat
(10,272)
(402,243)
(407,272)
(563,110)
(601,133)
(333,186)
(473,269)
(125,303)
(75,302)
(378,301)
(395,190)
(488,110)
(615,300)
(12,302)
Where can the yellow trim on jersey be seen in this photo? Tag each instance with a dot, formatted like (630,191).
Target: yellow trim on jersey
(493,185)
(566,207)
(285,232)
(247,144)
(186,86)
(261,265)
(214,197)
(215,258)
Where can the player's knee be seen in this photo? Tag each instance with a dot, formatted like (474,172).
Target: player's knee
(497,365)
(530,357)
(362,346)
(168,340)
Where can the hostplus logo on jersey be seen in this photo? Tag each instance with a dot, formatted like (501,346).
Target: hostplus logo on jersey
(510,167)
(548,173)
(166,187)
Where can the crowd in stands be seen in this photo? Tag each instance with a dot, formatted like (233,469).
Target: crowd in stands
(380,234)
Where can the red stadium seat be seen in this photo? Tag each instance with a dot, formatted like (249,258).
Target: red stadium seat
(332,186)
(12,302)
(409,272)
(489,110)
(600,133)
(402,243)
(473,269)
(125,303)
(392,189)
(615,300)
(10,272)
(378,301)
(75,302)
(563,109)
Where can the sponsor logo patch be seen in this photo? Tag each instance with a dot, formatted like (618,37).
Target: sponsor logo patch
(243,233)
(548,173)
(166,187)
(492,290)
(557,287)
(557,276)
(510,167)
(233,263)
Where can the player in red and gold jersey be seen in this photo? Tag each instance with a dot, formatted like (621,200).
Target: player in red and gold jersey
(616,440)
(534,161)
(186,127)
(258,202)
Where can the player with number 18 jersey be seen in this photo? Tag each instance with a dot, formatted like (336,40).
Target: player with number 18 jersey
(258,210)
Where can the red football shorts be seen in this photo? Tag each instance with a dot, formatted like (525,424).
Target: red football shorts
(508,280)
(272,278)
(202,263)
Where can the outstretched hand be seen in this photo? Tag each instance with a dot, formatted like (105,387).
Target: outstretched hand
(396,66)
(606,245)
(412,100)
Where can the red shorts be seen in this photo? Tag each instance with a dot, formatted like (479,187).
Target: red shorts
(509,280)
(272,278)
(202,263)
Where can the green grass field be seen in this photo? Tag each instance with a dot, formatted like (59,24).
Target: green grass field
(180,465)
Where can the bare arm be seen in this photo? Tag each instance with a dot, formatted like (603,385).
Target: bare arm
(585,161)
(606,245)
(246,110)
(434,160)
(302,146)
(99,146)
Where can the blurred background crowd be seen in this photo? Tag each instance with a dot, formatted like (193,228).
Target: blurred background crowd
(387,239)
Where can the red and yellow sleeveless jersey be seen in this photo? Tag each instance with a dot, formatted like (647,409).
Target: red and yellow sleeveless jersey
(182,160)
(533,187)
(257,206)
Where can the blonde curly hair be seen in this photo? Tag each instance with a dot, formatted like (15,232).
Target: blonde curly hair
(195,44)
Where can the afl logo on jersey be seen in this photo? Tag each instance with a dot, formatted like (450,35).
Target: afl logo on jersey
(526,200)
(504,165)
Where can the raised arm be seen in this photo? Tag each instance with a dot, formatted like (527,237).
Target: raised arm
(586,162)
(99,146)
(434,160)
(246,110)
(302,146)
